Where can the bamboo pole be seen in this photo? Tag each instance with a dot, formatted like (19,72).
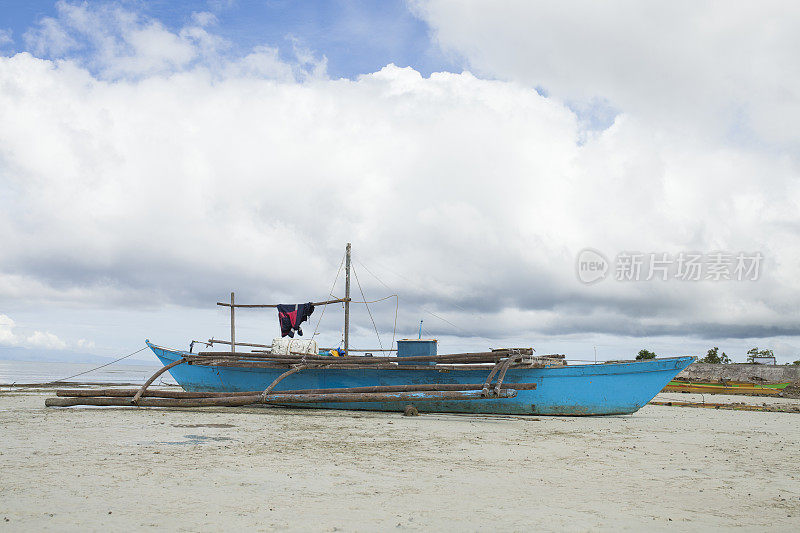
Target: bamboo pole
(150,393)
(347,303)
(488,379)
(502,375)
(239,363)
(374,366)
(236,401)
(248,344)
(253,345)
(369,349)
(280,378)
(331,363)
(233,325)
(160,371)
(468,356)
(272,306)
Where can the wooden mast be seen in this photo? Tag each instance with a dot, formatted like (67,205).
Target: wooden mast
(233,325)
(233,305)
(347,302)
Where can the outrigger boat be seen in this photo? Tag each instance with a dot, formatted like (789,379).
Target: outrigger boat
(506,381)
(726,387)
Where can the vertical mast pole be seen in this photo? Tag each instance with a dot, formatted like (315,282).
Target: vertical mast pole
(347,302)
(233,326)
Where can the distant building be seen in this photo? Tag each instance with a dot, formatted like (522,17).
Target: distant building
(764,360)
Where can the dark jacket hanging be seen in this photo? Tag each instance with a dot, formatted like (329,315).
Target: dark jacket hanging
(292,315)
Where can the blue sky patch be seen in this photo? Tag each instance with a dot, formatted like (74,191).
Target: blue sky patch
(355,37)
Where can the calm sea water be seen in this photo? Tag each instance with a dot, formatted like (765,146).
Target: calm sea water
(38,372)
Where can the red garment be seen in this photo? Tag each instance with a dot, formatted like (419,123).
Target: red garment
(291,316)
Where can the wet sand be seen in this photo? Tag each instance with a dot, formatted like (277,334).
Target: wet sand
(299,470)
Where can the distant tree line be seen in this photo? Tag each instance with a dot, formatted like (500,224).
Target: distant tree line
(714,357)
(752,353)
(645,354)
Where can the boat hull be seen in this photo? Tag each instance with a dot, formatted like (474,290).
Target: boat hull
(579,390)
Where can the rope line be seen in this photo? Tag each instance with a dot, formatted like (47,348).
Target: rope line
(98,368)
(396,309)
(396,302)
(368,310)
(341,264)
(374,276)
(415,284)
(82,373)
(365,301)
(471,334)
(374,301)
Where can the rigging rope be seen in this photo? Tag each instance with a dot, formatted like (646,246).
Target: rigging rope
(423,309)
(396,310)
(331,293)
(365,301)
(82,373)
(97,368)
(368,310)
(374,301)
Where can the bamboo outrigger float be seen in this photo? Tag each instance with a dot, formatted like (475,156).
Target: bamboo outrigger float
(507,381)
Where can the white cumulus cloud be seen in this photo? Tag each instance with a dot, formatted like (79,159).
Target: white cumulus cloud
(11,336)
(142,175)
(7,336)
(41,339)
(84,344)
(699,67)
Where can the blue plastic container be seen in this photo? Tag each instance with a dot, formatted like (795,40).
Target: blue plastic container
(415,347)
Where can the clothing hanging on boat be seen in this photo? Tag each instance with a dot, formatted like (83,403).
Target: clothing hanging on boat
(291,316)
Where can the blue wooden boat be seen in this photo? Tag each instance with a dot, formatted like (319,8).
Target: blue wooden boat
(508,381)
(594,389)
(524,385)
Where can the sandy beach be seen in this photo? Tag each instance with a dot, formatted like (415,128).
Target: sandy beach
(298,470)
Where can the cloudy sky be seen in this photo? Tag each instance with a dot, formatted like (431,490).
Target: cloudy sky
(154,158)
